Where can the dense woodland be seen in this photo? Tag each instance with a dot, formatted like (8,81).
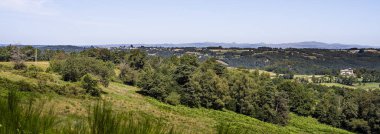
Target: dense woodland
(187,80)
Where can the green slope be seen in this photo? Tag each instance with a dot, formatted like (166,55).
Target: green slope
(186,120)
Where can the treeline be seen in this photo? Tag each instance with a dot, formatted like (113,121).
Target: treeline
(368,75)
(345,80)
(27,53)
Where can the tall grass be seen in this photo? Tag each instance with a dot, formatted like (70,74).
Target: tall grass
(103,120)
(17,118)
(30,118)
(226,128)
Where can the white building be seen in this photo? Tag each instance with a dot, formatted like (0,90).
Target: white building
(347,72)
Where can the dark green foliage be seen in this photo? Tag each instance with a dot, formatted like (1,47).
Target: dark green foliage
(211,85)
(301,100)
(128,75)
(73,68)
(359,125)
(209,89)
(272,106)
(90,84)
(346,80)
(328,109)
(153,84)
(19,65)
(136,59)
(288,76)
(183,73)
(5,53)
(368,75)
(302,61)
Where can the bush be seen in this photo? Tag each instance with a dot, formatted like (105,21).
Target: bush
(173,98)
(360,125)
(74,68)
(19,66)
(90,84)
(128,75)
(33,71)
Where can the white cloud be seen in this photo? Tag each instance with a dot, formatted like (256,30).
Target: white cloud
(27,6)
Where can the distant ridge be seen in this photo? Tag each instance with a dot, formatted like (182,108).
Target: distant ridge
(306,44)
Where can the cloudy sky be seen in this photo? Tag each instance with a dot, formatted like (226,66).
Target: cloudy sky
(182,21)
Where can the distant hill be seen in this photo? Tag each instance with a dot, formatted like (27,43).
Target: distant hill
(67,48)
(306,44)
(310,44)
(314,44)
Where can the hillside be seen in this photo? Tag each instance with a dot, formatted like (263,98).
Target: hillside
(184,119)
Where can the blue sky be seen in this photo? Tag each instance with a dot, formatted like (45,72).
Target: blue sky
(182,21)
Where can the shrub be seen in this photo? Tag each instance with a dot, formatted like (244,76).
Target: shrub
(173,98)
(19,66)
(74,68)
(33,71)
(360,125)
(128,75)
(90,84)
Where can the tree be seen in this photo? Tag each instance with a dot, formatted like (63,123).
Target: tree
(75,67)
(271,106)
(18,58)
(210,88)
(5,53)
(136,59)
(128,75)
(301,99)
(282,108)
(241,89)
(346,80)
(360,125)
(328,109)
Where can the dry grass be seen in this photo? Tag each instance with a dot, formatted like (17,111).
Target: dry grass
(42,64)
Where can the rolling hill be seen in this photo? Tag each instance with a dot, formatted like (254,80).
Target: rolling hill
(184,119)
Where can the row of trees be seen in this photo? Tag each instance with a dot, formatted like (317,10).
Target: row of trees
(28,53)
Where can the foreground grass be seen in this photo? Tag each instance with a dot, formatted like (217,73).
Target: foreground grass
(19,118)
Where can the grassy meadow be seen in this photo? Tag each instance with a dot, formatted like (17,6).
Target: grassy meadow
(125,99)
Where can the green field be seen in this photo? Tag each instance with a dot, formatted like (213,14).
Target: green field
(372,85)
(184,119)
